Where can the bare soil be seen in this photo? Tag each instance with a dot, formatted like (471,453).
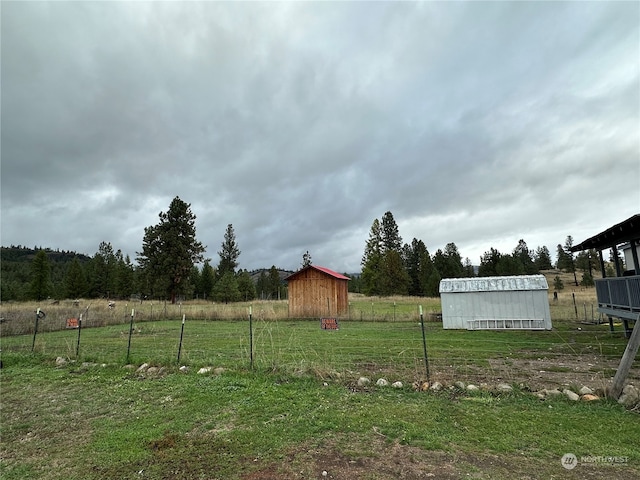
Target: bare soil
(392,460)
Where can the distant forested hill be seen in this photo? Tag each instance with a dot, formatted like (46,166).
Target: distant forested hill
(15,269)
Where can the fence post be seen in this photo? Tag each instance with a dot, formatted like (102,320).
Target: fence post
(78,342)
(130,332)
(181,335)
(250,339)
(424,345)
(39,314)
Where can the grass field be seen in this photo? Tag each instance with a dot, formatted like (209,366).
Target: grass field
(93,422)
(298,411)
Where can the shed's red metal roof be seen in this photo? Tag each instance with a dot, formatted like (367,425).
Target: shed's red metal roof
(321,269)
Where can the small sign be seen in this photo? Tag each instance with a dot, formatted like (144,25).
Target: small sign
(72,323)
(329,323)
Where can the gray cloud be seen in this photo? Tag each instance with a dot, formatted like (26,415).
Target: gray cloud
(299,123)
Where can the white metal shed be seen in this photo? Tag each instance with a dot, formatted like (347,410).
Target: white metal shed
(488,303)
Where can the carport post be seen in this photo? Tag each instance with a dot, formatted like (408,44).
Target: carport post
(627,360)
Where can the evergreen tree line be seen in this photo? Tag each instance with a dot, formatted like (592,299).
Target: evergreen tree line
(390,267)
(167,268)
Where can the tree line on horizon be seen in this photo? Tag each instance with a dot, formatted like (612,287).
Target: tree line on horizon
(171,266)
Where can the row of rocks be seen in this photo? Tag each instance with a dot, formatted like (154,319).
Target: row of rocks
(630,396)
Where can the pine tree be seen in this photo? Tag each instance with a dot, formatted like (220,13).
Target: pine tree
(413,256)
(394,279)
(306,259)
(124,285)
(372,260)
(558,284)
(571,262)
(563,261)
(40,276)
(246,286)
(207,280)
(226,288)
(524,255)
(170,249)
(103,282)
(75,280)
(542,259)
(274,283)
(391,239)
(229,253)
(489,263)
(262,286)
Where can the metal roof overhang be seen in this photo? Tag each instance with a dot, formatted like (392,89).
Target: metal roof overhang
(625,231)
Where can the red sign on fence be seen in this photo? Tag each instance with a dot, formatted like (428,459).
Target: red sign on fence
(329,323)
(72,323)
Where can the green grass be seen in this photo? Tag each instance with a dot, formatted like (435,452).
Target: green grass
(300,346)
(104,422)
(279,419)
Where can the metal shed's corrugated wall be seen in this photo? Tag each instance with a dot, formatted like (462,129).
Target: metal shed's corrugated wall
(519,302)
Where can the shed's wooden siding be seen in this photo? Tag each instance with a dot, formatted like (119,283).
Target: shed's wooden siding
(313,293)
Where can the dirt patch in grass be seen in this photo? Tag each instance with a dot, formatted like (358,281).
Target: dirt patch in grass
(385,460)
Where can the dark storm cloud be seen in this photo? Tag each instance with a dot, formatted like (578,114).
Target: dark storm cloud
(299,123)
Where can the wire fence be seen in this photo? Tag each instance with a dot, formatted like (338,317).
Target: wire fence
(390,346)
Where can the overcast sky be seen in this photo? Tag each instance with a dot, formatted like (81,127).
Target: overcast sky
(300,123)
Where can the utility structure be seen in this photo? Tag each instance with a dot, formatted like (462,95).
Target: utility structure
(619,296)
(495,303)
(316,291)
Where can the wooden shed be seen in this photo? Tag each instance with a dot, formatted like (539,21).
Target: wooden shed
(317,292)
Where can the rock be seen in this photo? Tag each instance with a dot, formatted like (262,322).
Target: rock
(129,367)
(142,368)
(397,385)
(151,371)
(472,388)
(571,395)
(362,381)
(630,396)
(590,398)
(425,386)
(184,369)
(219,370)
(204,370)
(60,362)
(585,391)
(459,385)
(382,382)
(540,395)
(436,386)
(88,364)
(552,393)
(504,388)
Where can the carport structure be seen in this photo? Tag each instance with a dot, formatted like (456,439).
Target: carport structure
(618,296)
